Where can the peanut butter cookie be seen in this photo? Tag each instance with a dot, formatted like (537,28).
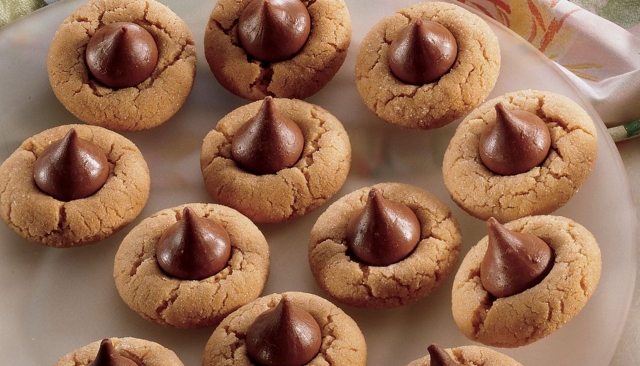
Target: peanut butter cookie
(540,190)
(72,221)
(139,351)
(428,104)
(143,101)
(342,341)
(298,76)
(184,303)
(470,356)
(538,311)
(291,192)
(349,280)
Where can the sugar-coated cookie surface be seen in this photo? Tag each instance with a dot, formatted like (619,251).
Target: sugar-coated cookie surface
(43,219)
(143,352)
(292,192)
(150,103)
(432,105)
(472,356)
(354,283)
(342,341)
(541,190)
(533,314)
(298,77)
(170,301)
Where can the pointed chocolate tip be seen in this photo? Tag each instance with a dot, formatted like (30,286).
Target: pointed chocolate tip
(285,334)
(188,216)
(501,110)
(439,357)
(108,356)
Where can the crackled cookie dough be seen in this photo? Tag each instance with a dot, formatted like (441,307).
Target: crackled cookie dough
(151,102)
(170,301)
(533,314)
(291,192)
(298,77)
(143,352)
(342,341)
(354,283)
(432,105)
(472,356)
(41,218)
(541,190)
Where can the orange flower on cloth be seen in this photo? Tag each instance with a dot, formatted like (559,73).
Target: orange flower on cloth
(599,56)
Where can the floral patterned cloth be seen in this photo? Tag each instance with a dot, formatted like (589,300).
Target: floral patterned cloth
(596,43)
(601,56)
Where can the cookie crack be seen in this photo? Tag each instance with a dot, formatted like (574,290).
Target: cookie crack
(135,265)
(60,228)
(399,283)
(167,302)
(295,195)
(328,339)
(309,159)
(480,312)
(365,279)
(263,80)
(405,15)
(315,141)
(226,31)
(381,54)
(384,103)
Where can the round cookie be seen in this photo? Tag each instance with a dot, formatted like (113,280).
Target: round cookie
(292,192)
(298,77)
(41,218)
(147,105)
(354,283)
(432,105)
(543,189)
(170,301)
(342,341)
(471,356)
(139,350)
(533,314)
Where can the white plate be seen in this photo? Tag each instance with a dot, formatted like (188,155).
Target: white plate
(54,301)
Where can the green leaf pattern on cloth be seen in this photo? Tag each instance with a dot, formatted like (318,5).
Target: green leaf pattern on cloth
(14,9)
(625,13)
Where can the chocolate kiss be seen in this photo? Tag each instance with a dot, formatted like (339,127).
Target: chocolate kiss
(193,248)
(267,143)
(514,261)
(383,232)
(71,168)
(274,30)
(440,357)
(108,356)
(121,54)
(285,336)
(422,52)
(517,142)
